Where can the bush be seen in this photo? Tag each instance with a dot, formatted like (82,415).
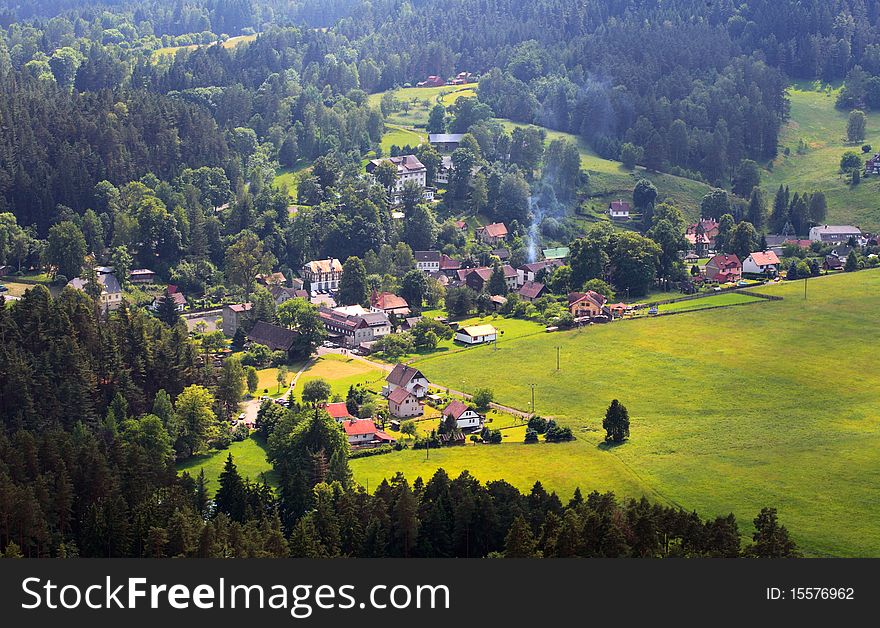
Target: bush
(531,436)
(482,398)
(538,424)
(557,434)
(493,437)
(240,432)
(366,453)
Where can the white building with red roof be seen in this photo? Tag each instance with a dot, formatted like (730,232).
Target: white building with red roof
(364,433)
(761,263)
(619,210)
(466,418)
(338,411)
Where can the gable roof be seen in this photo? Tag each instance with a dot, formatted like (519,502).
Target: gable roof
(589,295)
(338,410)
(531,289)
(455,409)
(619,206)
(401,375)
(358,427)
(479,330)
(324,265)
(724,262)
(447,263)
(405,164)
(240,307)
(765,258)
(399,395)
(494,230)
(838,229)
(427,256)
(388,301)
(275,337)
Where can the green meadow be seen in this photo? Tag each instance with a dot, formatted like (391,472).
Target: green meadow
(732,409)
(249,457)
(815,120)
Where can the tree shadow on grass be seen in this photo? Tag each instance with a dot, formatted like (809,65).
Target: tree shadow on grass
(607,445)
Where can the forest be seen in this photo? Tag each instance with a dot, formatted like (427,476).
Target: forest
(133,133)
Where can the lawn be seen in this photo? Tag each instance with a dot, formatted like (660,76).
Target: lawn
(341,372)
(269,380)
(420,100)
(823,127)
(289,177)
(718,300)
(732,409)
(249,456)
(399,136)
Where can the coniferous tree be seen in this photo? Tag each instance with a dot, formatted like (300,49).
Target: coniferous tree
(616,423)
(231,498)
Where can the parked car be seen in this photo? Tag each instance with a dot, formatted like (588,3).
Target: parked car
(3,288)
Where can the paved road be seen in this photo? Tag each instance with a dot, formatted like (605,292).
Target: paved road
(252,406)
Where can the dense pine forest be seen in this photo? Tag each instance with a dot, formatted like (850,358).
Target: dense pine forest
(131,135)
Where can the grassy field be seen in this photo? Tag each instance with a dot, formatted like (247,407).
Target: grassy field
(732,410)
(269,380)
(718,300)
(420,100)
(400,136)
(823,127)
(249,456)
(610,180)
(232,42)
(342,372)
(289,178)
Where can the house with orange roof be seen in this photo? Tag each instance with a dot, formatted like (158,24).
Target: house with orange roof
(364,433)
(761,263)
(493,233)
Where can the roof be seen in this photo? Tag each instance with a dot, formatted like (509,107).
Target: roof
(833,261)
(405,163)
(765,258)
(445,138)
(494,230)
(455,409)
(447,263)
(837,229)
(275,337)
(535,267)
(337,410)
(427,256)
(358,427)
(589,295)
(725,262)
(241,307)
(388,301)
(619,206)
(108,282)
(324,265)
(178,298)
(399,395)
(531,289)
(501,254)
(479,330)
(140,271)
(401,375)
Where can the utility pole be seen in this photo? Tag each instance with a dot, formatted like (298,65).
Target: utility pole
(532,386)
(557,356)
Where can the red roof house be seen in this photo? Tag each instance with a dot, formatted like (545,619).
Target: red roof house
(723,268)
